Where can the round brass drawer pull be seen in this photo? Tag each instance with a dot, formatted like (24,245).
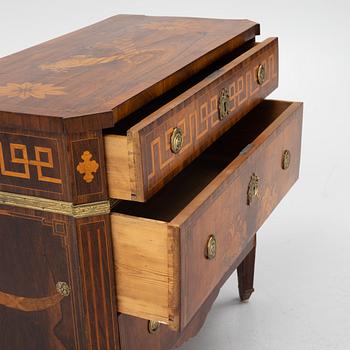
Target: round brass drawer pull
(211,248)
(153,326)
(176,141)
(286,157)
(224,100)
(63,288)
(261,74)
(253,189)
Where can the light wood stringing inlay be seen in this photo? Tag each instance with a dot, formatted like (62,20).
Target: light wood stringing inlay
(197,123)
(38,163)
(29,304)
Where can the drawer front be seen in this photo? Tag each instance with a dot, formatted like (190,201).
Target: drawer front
(162,144)
(167,268)
(235,211)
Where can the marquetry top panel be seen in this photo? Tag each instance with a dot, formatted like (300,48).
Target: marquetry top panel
(103,72)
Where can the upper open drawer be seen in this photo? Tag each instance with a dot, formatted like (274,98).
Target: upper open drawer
(147,151)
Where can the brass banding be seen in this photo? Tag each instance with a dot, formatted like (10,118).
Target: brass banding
(54,206)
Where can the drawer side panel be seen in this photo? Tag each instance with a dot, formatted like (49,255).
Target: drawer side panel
(118,172)
(145,268)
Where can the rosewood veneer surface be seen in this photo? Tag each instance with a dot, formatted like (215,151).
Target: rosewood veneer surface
(138,160)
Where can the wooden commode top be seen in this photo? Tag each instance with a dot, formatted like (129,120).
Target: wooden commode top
(139,157)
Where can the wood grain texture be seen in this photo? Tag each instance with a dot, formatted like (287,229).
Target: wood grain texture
(83,189)
(118,170)
(45,165)
(151,161)
(90,79)
(36,253)
(29,304)
(245,273)
(134,333)
(199,318)
(219,208)
(139,77)
(33,164)
(56,248)
(145,272)
(95,251)
(40,249)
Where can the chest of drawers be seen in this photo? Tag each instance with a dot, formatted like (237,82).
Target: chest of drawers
(138,159)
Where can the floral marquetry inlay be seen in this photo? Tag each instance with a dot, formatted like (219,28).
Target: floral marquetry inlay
(78,61)
(34,90)
(88,167)
(127,52)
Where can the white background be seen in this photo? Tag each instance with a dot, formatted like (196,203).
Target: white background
(302,298)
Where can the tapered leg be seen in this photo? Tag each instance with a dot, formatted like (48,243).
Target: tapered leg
(245,272)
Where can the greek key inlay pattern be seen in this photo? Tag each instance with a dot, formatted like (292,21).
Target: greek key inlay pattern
(19,155)
(199,118)
(30,162)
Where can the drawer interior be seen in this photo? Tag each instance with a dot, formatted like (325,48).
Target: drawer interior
(121,128)
(180,191)
(139,156)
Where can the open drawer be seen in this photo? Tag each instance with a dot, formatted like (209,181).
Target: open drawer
(172,251)
(145,151)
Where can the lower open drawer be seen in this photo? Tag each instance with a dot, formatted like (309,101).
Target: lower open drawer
(172,251)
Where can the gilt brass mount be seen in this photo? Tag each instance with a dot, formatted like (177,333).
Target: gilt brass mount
(153,326)
(63,288)
(55,206)
(176,141)
(224,100)
(261,74)
(253,189)
(286,159)
(211,248)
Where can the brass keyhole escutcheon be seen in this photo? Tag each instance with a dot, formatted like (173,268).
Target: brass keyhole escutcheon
(261,74)
(176,140)
(286,159)
(211,248)
(153,326)
(224,100)
(63,288)
(253,189)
